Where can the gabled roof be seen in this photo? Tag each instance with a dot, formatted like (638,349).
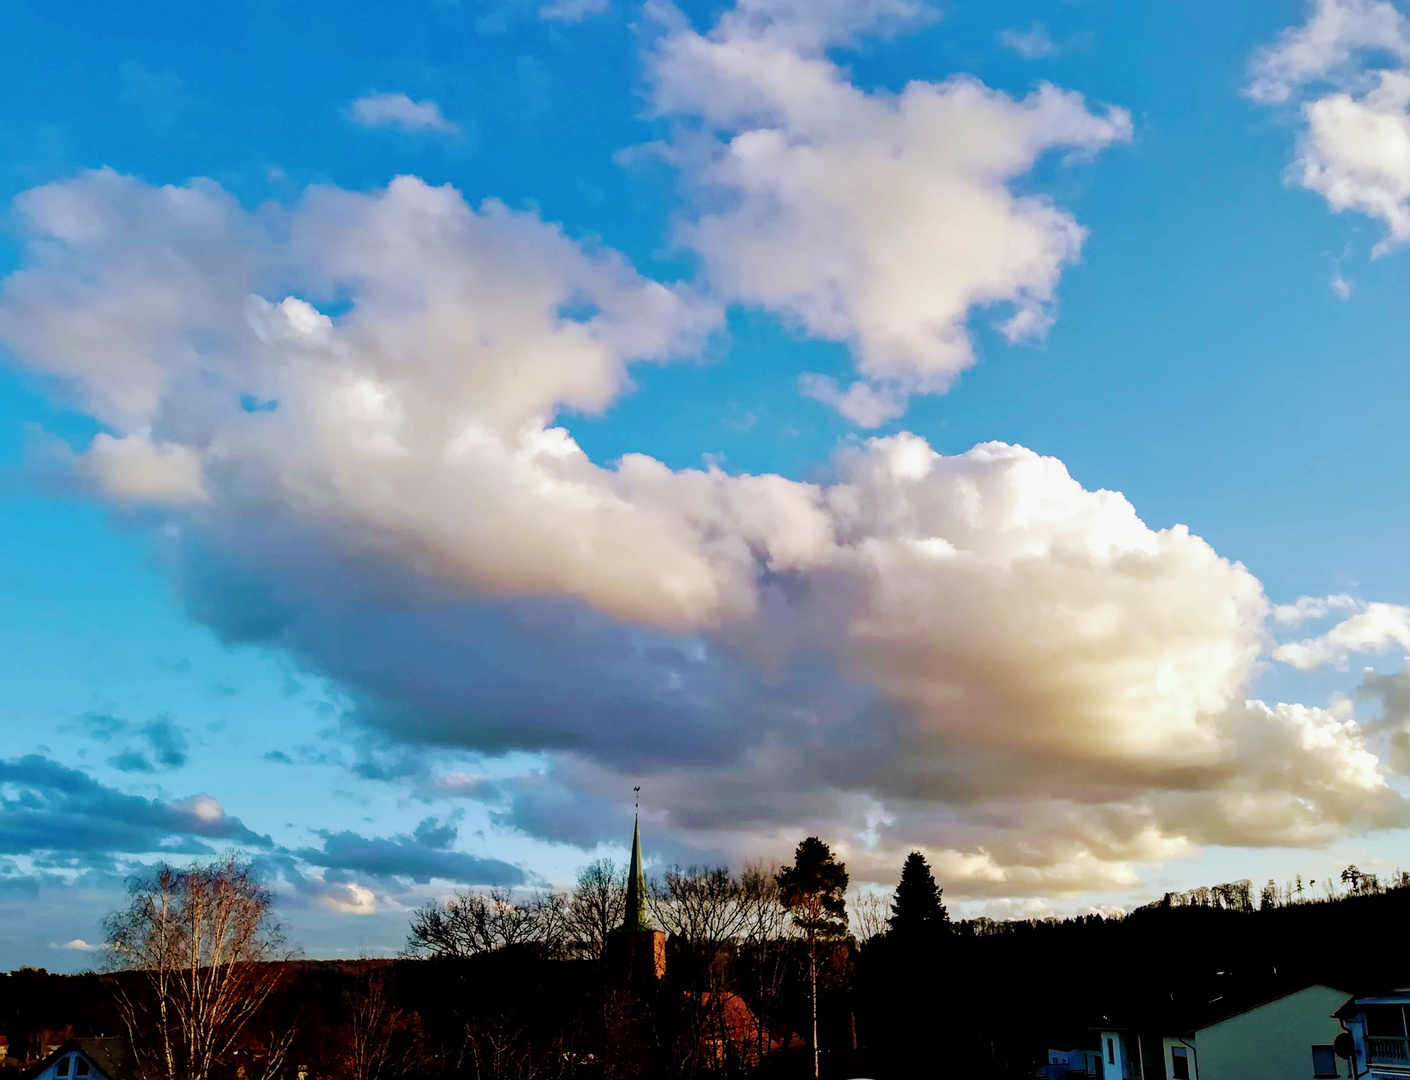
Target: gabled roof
(109,1054)
(1187,1016)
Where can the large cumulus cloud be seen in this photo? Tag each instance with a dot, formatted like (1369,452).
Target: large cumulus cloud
(343,417)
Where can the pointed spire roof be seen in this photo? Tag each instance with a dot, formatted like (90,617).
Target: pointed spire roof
(635,917)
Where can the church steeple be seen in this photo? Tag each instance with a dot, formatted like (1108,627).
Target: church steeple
(635,954)
(635,917)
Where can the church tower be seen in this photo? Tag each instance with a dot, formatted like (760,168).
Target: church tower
(636,952)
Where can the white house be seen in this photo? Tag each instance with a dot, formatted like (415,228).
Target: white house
(1285,1037)
(1380,1049)
(87,1059)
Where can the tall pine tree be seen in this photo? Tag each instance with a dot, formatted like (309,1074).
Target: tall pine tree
(814,890)
(917,911)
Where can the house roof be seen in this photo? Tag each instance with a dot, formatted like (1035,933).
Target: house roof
(1185,1016)
(1379,995)
(110,1054)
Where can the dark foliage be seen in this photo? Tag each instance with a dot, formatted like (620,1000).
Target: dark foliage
(918,914)
(814,890)
(1075,971)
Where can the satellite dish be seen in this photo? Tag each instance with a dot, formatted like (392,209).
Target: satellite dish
(1343,1045)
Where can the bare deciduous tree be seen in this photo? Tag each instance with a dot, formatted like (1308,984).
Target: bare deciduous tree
(203,939)
(380,1037)
(470,923)
(867,915)
(705,913)
(766,952)
(497,1047)
(596,907)
(699,907)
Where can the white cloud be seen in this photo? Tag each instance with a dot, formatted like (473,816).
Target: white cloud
(1341,287)
(76,945)
(1006,909)
(876,219)
(968,653)
(1326,45)
(202,807)
(1373,629)
(1031,44)
(345,898)
(400,111)
(131,469)
(867,405)
(1313,607)
(1348,67)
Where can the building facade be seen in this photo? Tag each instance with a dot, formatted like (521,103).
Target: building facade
(1379,1034)
(1287,1037)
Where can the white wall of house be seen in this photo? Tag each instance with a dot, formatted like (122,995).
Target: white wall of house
(1114,1056)
(1271,1042)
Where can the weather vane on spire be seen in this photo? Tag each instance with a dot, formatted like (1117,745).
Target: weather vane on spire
(636,791)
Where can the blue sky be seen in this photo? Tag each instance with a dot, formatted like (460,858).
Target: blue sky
(390,673)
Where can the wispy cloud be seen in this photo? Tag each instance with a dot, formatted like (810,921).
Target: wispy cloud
(867,405)
(157,95)
(1372,628)
(572,11)
(425,854)
(1031,44)
(48,807)
(400,111)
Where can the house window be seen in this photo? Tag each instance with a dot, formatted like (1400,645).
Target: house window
(1385,1021)
(1179,1063)
(1324,1061)
(1111,1052)
(80,1066)
(62,1068)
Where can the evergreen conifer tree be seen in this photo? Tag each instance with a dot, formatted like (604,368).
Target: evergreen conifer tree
(814,891)
(917,910)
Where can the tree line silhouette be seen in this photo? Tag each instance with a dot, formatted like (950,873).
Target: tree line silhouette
(771,972)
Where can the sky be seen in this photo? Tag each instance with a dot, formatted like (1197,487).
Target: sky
(967,428)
